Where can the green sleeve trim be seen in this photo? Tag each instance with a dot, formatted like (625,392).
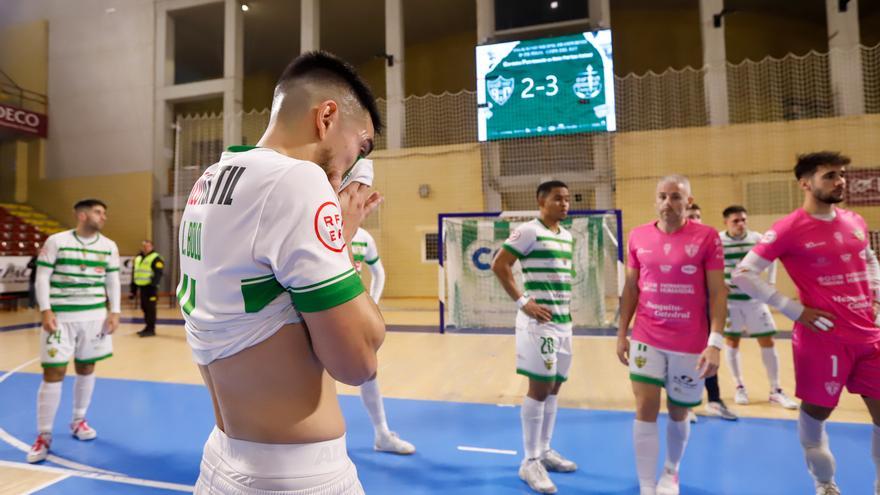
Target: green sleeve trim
(93,360)
(257,295)
(510,249)
(329,296)
(261,278)
(533,376)
(739,297)
(647,379)
(240,148)
(68,308)
(306,288)
(684,404)
(372,262)
(47,265)
(53,365)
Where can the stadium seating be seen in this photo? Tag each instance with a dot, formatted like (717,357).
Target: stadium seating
(23,229)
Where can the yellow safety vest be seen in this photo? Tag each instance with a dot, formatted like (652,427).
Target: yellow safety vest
(143,269)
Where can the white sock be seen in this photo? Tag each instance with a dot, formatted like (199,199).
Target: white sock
(372,399)
(733,360)
(532,416)
(646,441)
(677,433)
(83,386)
(814,440)
(550,407)
(771,364)
(875,450)
(48,398)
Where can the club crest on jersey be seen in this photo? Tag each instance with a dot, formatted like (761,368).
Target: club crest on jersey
(53,352)
(548,363)
(846,257)
(328,226)
(641,361)
(691,249)
(667,248)
(838,237)
(514,236)
(859,234)
(769,237)
(832,388)
(500,89)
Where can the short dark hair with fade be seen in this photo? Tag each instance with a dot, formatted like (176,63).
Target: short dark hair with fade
(694,206)
(545,187)
(807,163)
(325,65)
(733,210)
(88,203)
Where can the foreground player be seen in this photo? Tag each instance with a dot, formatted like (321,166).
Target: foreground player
(543,326)
(77,273)
(835,340)
(714,405)
(263,228)
(674,272)
(746,315)
(364,250)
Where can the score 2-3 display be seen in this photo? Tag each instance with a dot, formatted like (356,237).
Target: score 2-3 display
(547,86)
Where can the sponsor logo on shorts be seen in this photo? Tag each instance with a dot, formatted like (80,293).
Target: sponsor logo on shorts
(641,361)
(689,269)
(832,388)
(691,249)
(685,381)
(769,237)
(548,363)
(52,352)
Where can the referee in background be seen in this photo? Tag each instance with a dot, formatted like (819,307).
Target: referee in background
(148,266)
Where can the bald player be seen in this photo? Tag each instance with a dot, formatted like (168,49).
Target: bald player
(274,309)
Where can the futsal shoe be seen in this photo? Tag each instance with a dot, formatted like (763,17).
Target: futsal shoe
(829,488)
(553,461)
(40,449)
(741,397)
(390,442)
(779,397)
(535,475)
(692,416)
(719,409)
(668,484)
(82,431)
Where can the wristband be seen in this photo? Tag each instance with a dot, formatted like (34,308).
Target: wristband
(522,301)
(716,340)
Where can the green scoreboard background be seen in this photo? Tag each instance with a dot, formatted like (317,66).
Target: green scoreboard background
(547,86)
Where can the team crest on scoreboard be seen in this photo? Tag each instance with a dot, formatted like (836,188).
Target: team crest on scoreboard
(500,89)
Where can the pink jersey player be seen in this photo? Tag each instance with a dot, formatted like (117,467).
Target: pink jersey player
(671,313)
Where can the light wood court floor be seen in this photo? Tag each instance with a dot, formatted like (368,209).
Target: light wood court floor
(430,366)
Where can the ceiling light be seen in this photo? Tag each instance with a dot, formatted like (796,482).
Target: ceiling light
(244,7)
(553,5)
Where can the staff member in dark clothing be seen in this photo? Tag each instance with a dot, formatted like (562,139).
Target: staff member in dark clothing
(147,274)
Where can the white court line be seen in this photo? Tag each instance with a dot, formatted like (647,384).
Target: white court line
(18,444)
(46,484)
(18,368)
(100,476)
(486,451)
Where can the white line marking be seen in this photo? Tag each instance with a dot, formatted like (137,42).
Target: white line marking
(46,484)
(486,451)
(18,444)
(100,476)
(506,405)
(18,368)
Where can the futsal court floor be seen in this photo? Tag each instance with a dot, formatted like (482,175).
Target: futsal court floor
(454,396)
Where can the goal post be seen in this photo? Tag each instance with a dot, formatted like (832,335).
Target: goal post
(471,300)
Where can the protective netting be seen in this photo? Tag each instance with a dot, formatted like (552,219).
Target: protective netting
(473,298)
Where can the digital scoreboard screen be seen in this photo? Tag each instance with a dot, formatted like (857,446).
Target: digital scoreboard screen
(545,87)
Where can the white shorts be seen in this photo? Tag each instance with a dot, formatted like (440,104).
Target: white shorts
(85,341)
(752,318)
(239,467)
(677,371)
(541,353)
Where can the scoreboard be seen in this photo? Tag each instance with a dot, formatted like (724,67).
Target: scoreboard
(542,87)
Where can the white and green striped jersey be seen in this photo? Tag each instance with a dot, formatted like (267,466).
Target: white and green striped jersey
(734,251)
(260,241)
(78,283)
(546,260)
(363,249)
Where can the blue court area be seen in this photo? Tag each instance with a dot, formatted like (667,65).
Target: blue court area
(152,433)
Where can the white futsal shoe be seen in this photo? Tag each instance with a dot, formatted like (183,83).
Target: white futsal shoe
(741,397)
(829,488)
(81,430)
(40,449)
(390,442)
(779,397)
(532,471)
(553,461)
(668,483)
